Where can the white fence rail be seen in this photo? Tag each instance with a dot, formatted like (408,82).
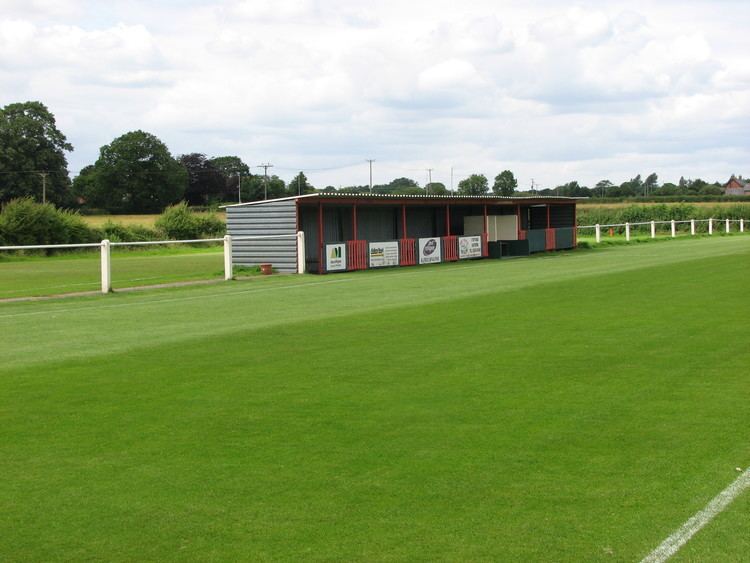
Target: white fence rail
(105,247)
(727,223)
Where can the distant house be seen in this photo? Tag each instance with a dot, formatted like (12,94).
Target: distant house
(737,186)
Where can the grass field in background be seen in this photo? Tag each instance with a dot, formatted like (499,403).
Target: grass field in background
(130,220)
(78,272)
(568,407)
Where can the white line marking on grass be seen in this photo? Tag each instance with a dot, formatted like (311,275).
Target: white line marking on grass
(680,537)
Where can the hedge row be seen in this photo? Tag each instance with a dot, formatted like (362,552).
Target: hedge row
(25,222)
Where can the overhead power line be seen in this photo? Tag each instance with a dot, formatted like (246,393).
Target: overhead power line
(265,168)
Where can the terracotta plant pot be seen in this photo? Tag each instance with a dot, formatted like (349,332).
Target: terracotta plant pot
(266,269)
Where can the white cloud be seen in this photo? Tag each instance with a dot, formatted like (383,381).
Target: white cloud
(453,73)
(599,89)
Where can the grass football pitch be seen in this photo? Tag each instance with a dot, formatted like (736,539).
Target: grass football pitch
(568,407)
(38,276)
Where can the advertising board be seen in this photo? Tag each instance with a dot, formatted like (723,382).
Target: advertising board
(469,247)
(383,254)
(335,257)
(429,250)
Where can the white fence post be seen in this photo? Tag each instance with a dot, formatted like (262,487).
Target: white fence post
(598,229)
(727,226)
(227,257)
(627,231)
(653,229)
(710,226)
(742,225)
(106,267)
(301,252)
(674,233)
(692,227)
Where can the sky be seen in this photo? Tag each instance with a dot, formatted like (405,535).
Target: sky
(553,91)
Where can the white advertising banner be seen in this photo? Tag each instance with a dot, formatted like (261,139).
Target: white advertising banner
(429,250)
(469,247)
(335,257)
(383,254)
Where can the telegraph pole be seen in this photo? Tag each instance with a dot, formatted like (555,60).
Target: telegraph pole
(370,160)
(429,179)
(44,186)
(265,168)
(451,180)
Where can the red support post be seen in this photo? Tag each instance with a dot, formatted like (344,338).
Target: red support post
(320,238)
(518,220)
(549,233)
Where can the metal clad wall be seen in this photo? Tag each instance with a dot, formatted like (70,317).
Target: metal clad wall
(537,240)
(420,222)
(272,218)
(309,224)
(376,223)
(562,216)
(564,238)
(537,217)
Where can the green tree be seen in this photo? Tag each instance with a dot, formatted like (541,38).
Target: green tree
(436,188)
(632,187)
(206,183)
(505,184)
(299,185)
(355,189)
(135,173)
(84,184)
(32,154)
(476,184)
(571,189)
(651,183)
(398,186)
(234,171)
(602,187)
(258,187)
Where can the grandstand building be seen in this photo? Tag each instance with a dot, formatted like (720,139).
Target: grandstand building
(347,231)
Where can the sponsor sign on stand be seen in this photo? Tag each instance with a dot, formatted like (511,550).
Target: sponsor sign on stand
(383,254)
(335,257)
(429,250)
(469,247)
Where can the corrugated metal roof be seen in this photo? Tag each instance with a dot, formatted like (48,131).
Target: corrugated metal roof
(407,197)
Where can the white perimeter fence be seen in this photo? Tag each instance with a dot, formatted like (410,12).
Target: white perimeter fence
(673,226)
(106,246)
